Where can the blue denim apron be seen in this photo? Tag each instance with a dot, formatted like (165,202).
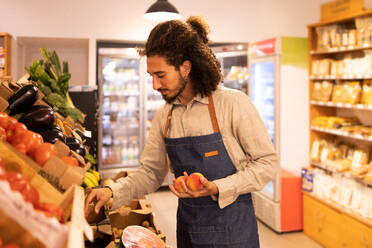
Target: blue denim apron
(200,221)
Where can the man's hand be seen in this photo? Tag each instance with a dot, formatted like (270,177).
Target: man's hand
(99,197)
(209,188)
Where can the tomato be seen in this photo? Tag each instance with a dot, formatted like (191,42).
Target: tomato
(28,138)
(70,161)
(52,210)
(3,120)
(30,194)
(3,134)
(14,129)
(6,121)
(44,152)
(12,176)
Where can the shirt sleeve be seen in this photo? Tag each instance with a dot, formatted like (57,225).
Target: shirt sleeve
(152,171)
(261,163)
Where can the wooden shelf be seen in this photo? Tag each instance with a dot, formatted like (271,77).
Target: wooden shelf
(341,50)
(340,208)
(345,77)
(341,105)
(341,133)
(327,222)
(345,174)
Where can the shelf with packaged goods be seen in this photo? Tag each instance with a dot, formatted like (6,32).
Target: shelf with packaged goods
(341,133)
(344,77)
(341,50)
(333,170)
(334,62)
(341,105)
(134,163)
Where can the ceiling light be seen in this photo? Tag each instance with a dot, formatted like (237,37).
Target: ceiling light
(162,10)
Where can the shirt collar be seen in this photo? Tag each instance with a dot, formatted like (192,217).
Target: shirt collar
(196,98)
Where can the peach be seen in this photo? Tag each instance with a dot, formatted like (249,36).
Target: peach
(178,185)
(193,181)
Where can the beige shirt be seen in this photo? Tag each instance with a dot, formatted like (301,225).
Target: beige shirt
(244,135)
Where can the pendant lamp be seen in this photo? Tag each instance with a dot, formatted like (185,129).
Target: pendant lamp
(162,10)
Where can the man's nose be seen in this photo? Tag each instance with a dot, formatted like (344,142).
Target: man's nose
(156,83)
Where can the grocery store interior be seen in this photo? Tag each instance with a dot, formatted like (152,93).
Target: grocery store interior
(77,104)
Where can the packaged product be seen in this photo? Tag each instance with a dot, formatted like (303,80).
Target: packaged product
(353,92)
(367,92)
(359,163)
(322,91)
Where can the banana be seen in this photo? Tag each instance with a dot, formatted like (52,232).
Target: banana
(92,178)
(95,174)
(88,183)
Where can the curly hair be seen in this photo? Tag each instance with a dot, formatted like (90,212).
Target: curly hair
(178,41)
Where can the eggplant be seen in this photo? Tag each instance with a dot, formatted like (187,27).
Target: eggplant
(78,148)
(38,117)
(23,99)
(52,135)
(72,140)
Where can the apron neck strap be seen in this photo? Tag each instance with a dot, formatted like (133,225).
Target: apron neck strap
(212,114)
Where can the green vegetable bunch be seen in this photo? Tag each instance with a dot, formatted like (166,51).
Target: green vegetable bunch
(53,81)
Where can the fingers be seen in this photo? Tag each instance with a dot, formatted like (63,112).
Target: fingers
(99,204)
(89,199)
(174,191)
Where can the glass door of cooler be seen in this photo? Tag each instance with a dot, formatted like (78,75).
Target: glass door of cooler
(234,65)
(264,94)
(120,84)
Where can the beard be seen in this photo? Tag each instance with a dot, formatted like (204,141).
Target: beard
(179,89)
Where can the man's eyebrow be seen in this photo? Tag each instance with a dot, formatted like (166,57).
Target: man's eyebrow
(156,72)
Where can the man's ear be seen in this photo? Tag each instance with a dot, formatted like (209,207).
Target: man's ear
(185,68)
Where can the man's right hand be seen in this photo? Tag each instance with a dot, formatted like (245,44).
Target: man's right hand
(99,197)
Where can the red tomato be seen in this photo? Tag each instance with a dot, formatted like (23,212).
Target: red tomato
(70,161)
(52,210)
(12,176)
(27,138)
(14,129)
(44,152)
(30,194)
(3,134)
(3,119)
(21,148)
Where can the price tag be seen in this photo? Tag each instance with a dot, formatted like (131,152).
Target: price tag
(88,134)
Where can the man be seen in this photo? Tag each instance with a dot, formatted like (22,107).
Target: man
(202,128)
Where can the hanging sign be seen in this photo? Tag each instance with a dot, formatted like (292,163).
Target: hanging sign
(261,48)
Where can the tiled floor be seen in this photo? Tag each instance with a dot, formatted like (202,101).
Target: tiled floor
(164,206)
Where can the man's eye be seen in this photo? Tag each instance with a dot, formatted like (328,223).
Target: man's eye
(160,76)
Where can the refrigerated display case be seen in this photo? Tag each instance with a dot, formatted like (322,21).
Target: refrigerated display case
(128,105)
(277,67)
(234,65)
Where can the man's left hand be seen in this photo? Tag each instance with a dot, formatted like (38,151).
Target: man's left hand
(209,188)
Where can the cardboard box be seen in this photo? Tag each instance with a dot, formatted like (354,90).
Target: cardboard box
(22,225)
(342,8)
(135,213)
(55,171)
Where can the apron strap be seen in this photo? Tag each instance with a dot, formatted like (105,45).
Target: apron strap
(169,117)
(212,114)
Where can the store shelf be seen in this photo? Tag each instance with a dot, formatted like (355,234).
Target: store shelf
(341,133)
(345,174)
(340,208)
(342,105)
(341,50)
(344,77)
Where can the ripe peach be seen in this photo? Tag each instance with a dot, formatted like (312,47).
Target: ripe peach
(178,185)
(193,181)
